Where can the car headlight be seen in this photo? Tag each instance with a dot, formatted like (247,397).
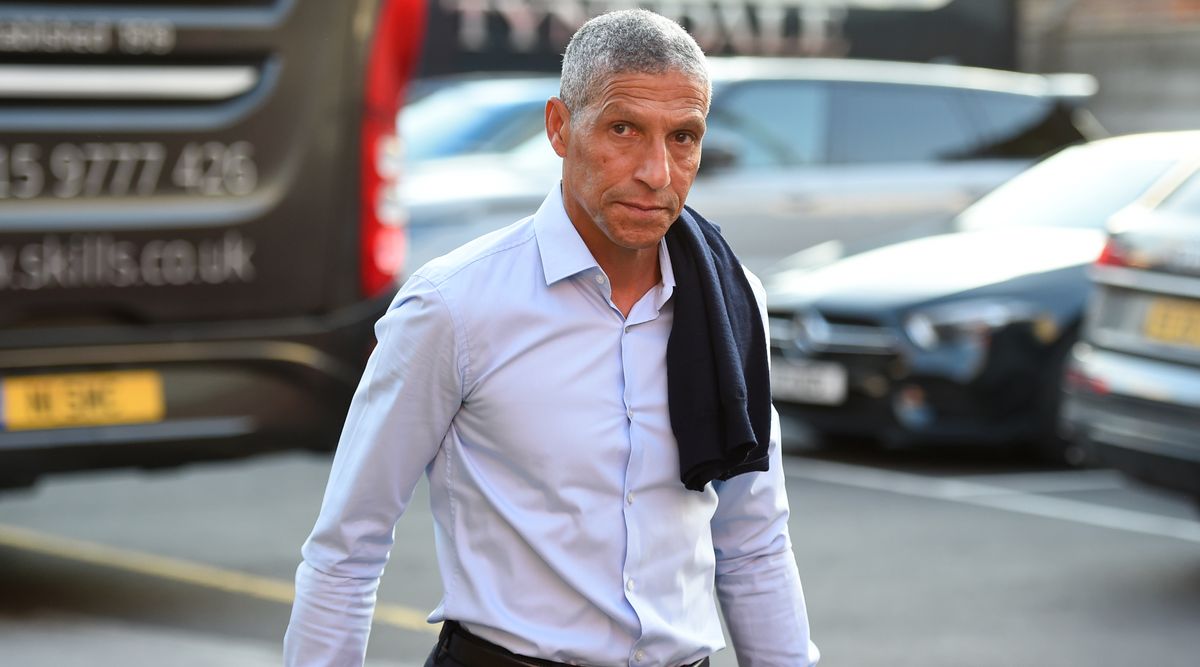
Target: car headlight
(945,323)
(802,329)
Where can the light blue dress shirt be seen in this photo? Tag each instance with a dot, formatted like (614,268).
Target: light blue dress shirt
(505,373)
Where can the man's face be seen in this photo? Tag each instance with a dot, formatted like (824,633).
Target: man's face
(630,157)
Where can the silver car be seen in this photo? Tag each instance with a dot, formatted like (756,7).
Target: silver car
(802,151)
(1133,383)
(464,115)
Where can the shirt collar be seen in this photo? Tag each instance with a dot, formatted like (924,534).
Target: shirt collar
(563,252)
(667,286)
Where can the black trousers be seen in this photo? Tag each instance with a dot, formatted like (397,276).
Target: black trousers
(443,660)
(456,645)
(449,661)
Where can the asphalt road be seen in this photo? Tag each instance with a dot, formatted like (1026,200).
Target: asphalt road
(929,559)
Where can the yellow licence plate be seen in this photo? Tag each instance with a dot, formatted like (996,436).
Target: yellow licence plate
(80,399)
(1173,321)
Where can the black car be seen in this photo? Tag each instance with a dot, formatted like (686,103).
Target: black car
(198,224)
(959,337)
(1133,382)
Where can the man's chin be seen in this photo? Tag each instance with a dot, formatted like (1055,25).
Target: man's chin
(642,241)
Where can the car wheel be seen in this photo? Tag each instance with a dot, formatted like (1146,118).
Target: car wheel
(1050,443)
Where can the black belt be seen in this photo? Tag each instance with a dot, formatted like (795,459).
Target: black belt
(475,651)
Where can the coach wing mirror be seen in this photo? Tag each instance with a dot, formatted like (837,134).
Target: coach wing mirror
(716,158)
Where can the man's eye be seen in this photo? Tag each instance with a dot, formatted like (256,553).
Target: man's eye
(620,128)
(685,137)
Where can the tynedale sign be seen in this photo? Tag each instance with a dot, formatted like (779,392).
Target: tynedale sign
(531,34)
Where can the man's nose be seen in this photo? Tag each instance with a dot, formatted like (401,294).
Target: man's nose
(654,168)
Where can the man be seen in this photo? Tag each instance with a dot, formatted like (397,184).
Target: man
(526,374)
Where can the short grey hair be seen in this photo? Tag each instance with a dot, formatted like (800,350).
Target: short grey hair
(627,41)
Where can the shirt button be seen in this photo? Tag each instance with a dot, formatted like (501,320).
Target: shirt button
(639,655)
(629,498)
(629,412)
(599,280)
(629,585)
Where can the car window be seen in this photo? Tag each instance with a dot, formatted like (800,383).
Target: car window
(1006,115)
(895,123)
(770,123)
(1187,198)
(472,117)
(1022,125)
(1079,187)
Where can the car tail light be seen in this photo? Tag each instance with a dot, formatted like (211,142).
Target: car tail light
(391,58)
(1113,254)
(1080,381)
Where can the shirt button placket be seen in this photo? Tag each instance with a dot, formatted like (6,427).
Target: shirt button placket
(634,542)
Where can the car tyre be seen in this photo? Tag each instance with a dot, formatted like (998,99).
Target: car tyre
(1051,444)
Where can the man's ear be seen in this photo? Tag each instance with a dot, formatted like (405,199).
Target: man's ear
(558,125)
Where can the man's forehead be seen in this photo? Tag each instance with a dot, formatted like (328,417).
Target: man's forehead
(668,91)
(678,111)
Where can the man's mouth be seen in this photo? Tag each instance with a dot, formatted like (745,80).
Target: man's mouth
(645,208)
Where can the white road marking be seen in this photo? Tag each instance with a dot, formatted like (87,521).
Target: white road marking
(1054,481)
(994,497)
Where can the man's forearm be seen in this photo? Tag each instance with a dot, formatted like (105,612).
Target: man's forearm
(331,620)
(764,608)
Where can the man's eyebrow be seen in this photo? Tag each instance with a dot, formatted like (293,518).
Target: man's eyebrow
(620,110)
(617,109)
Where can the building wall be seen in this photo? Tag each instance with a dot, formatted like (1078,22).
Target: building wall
(486,35)
(1144,53)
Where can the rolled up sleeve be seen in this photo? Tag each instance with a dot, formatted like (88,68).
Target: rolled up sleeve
(758,584)
(401,411)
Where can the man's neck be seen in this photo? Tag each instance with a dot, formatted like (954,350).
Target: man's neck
(631,273)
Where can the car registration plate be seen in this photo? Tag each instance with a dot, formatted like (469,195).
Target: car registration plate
(1173,321)
(80,399)
(818,382)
